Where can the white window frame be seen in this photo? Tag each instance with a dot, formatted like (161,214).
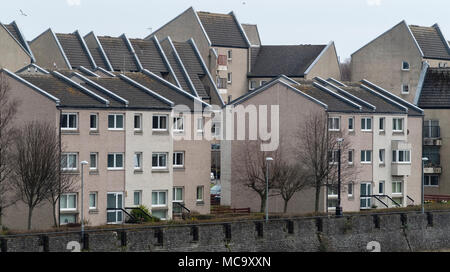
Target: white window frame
(67,202)
(174,194)
(229,77)
(68,114)
(67,154)
(115,161)
(96,161)
(135,156)
(176,123)
(134,198)
(202,195)
(403,88)
(215,132)
(396,156)
(158,192)
(159,116)
(427,179)
(351,156)
(365,156)
(251,86)
(158,154)
(382,156)
(229,55)
(96,122)
(95,194)
(200,125)
(382,183)
(396,188)
(331,125)
(333,156)
(403,66)
(352,122)
(350,191)
(139,115)
(175,162)
(262,82)
(115,121)
(364,120)
(396,122)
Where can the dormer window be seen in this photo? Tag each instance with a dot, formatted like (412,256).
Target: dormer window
(405,66)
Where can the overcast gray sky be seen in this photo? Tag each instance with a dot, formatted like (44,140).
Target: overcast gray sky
(350,23)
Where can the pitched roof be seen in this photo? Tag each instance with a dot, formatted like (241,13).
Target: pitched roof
(436,89)
(74,50)
(96,53)
(69,95)
(290,60)
(252,33)
(193,67)
(120,56)
(431,42)
(223,30)
(13,28)
(149,55)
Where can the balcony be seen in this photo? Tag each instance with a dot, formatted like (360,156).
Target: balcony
(433,165)
(401,169)
(432,136)
(222,85)
(222,63)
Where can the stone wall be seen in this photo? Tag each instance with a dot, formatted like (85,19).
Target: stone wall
(393,232)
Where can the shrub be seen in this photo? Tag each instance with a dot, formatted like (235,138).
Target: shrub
(142,213)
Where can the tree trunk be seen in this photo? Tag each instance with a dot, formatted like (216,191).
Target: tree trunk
(286,205)
(54,214)
(1,214)
(263,203)
(30,215)
(317,198)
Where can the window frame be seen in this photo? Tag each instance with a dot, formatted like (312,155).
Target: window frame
(382,156)
(139,115)
(396,156)
(175,124)
(394,182)
(140,162)
(95,194)
(158,154)
(96,122)
(351,157)
(174,194)
(403,88)
(331,125)
(351,120)
(229,77)
(251,84)
(396,121)
(365,157)
(202,193)
(67,202)
(115,121)
(68,114)
(96,161)
(364,120)
(174,159)
(159,116)
(382,124)
(403,66)
(427,179)
(115,161)
(139,192)
(67,161)
(158,192)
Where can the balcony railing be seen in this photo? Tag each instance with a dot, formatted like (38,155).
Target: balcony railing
(431,131)
(221,83)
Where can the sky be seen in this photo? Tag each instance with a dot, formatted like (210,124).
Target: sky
(349,23)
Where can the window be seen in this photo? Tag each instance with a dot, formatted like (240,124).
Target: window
(381,155)
(431,180)
(350,189)
(405,66)
(401,156)
(366,156)
(137,161)
(351,123)
(93,163)
(350,156)
(138,122)
(137,198)
(200,193)
(93,121)
(442,64)
(159,198)
(397,124)
(159,160)
(366,124)
(178,159)
(405,89)
(334,124)
(178,124)
(262,82)
(397,187)
(114,202)
(332,191)
(381,187)
(431,129)
(200,125)
(159,122)
(115,121)
(68,202)
(382,120)
(177,194)
(252,84)
(115,161)
(67,218)
(93,201)
(333,156)
(215,129)
(69,121)
(229,78)
(332,203)
(69,161)
(161,214)
(230,54)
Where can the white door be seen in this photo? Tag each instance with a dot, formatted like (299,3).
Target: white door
(114,200)
(365,199)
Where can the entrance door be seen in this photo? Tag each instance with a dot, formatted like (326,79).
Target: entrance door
(365,199)
(115,201)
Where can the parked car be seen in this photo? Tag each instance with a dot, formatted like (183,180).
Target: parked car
(215,194)
(212,176)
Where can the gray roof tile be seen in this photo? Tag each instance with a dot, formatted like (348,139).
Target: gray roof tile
(436,89)
(74,50)
(430,41)
(119,55)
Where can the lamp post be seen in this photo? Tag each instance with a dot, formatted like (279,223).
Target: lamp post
(268,159)
(424,160)
(339,207)
(83,163)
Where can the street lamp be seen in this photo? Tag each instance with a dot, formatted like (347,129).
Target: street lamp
(268,159)
(424,160)
(339,207)
(83,163)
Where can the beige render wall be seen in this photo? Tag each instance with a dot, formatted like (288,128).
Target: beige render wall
(444,123)
(327,66)
(148,142)
(414,182)
(13,56)
(380,62)
(292,115)
(196,170)
(103,180)
(32,107)
(47,53)
(436,62)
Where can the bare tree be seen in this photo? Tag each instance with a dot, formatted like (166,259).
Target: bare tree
(253,170)
(36,164)
(293,178)
(317,153)
(8,109)
(346,72)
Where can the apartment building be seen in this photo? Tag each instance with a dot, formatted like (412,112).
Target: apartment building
(14,48)
(383,133)
(396,59)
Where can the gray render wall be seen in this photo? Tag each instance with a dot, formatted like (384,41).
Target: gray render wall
(394,232)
